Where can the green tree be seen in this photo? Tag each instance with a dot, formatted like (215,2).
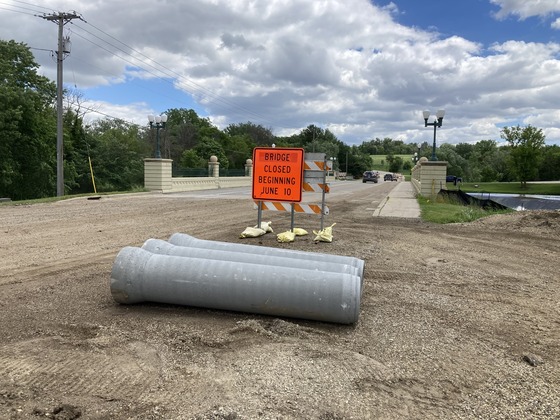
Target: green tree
(183,131)
(456,165)
(464,150)
(27,126)
(76,167)
(396,164)
(309,137)
(238,148)
(353,161)
(549,169)
(526,147)
(211,147)
(390,158)
(118,155)
(190,159)
(372,147)
(257,134)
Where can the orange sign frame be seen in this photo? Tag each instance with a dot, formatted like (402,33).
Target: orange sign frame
(278,174)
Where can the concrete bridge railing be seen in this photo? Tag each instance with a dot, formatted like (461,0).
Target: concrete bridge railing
(428,177)
(157,177)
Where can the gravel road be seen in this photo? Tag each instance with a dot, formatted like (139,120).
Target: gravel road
(457,321)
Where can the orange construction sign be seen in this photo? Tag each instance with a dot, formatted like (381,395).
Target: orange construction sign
(277,174)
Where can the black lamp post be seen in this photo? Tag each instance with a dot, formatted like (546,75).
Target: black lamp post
(437,123)
(157,122)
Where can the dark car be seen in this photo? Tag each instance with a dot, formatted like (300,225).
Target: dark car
(389,177)
(370,176)
(453,178)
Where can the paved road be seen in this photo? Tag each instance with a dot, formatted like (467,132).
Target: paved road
(389,199)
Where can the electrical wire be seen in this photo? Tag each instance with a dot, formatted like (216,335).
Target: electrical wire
(158,70)
(30,4)
(194,87)
(16,11)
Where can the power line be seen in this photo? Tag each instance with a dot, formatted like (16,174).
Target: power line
(194,87)
(147,88)
(23,10)
(16,11)
(87,108)
(40,49)
(158,70)
(30,4)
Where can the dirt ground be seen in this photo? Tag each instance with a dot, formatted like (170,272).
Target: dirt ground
(457,321)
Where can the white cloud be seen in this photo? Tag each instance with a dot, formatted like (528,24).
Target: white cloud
(135,113)
(285,64)
(525,9)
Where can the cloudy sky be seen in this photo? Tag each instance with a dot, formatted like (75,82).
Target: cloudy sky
(363,69)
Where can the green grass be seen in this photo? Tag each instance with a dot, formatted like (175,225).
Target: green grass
(445,210)
(508,188)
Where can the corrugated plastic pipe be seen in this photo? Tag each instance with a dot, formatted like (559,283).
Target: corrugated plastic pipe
(139,275)
(182,239)
(158,246)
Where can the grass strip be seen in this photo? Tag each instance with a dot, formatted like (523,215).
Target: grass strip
(507,188)
(446,210)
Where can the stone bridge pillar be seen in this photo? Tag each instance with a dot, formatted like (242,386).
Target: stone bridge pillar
(214,167)
(157,174)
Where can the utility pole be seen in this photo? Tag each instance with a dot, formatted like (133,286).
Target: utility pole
(63,48)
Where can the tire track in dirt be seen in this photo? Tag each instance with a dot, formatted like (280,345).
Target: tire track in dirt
(36,273)
(79,371)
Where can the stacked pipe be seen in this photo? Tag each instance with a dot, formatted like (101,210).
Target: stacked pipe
(238,277)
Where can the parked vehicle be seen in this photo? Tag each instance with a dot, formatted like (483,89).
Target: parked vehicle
(453,178)
(388,177)
(370,176)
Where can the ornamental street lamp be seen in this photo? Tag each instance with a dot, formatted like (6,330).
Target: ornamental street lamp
(437,123)
(157,122)
(333,163)
(416,156)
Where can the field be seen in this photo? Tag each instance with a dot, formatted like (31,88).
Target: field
(380,161)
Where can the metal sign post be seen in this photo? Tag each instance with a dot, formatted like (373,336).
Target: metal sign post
(259,214)
(324,192)
(282,175)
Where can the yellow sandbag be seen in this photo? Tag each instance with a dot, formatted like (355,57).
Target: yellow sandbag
(251,232)
(266,226)
(300,232)
(324,235)
(287,236)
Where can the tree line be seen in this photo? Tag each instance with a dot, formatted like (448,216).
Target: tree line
(117,149)
(523,156)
